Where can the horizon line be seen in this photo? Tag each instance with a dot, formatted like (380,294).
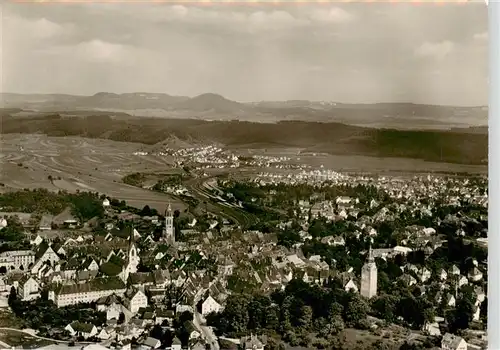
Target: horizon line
(247,102)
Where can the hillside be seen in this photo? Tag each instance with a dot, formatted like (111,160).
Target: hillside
(459,146)
(216,107)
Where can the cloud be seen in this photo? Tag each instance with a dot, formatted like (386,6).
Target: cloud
(34,29)
(331,15)
(250,52)
(436,50)
(481,36)
(96,51)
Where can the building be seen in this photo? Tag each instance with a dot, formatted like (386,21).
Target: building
(86,330)
(135,300)
(29,289)
(176,344)
(168,231)
(369,277)
(252,343)
(18,259)
(210,305)
(132,261)
(88,292)
(453,342)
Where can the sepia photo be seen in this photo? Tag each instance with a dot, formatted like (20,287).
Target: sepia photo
(251,176)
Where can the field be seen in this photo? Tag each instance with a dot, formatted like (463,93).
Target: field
(98,165)
(75,163)
(17,339)
(356,163)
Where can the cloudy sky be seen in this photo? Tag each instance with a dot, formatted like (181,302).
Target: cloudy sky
(337,52)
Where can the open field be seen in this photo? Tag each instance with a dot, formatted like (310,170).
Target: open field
(98,165)
(76,163)
(18,338)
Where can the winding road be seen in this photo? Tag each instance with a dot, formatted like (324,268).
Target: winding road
(197,188)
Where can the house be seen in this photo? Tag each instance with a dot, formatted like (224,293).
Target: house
(29,289)
(350,285)
(480,295)
(453,342)
(462,281)
(113,308)
(198,346)
(176,344)
(432,329)
(191,330)
(163,316)
(135,299)
(455,270)
(45,223)
(443,275)
(252,343)
(152,343)
(424,274)
(476,316)
(210,305)
(91,265)
(475,274)
(65,219)
(103,334)
(86,330)
(450,300)
(37,241)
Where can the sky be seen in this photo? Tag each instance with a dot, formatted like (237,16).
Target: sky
(352,53)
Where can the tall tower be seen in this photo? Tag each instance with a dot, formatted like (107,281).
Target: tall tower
(168,231)
(369,277)
(133,258)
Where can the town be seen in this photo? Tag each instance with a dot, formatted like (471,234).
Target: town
(323,260)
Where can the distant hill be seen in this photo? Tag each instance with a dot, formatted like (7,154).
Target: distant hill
(208,102)
(211,106)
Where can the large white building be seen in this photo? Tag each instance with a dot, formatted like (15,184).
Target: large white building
(17,259)
(87,292)
(369,277)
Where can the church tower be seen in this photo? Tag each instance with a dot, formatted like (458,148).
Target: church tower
(369,277)
(168,231)
(133,258)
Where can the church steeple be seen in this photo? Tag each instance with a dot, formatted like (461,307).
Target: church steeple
(168,212)
(371,258)
(168,232)
(369,276)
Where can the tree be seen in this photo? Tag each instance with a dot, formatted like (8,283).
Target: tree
(306,314)
(461,316)
(12,297)
(336,309)
(379,345)
(285,317)
(356,310)
(146,211)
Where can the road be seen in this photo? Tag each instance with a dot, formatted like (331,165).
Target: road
(196,187)
(206,332)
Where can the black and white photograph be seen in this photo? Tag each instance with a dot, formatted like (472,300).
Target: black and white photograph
(244,175)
